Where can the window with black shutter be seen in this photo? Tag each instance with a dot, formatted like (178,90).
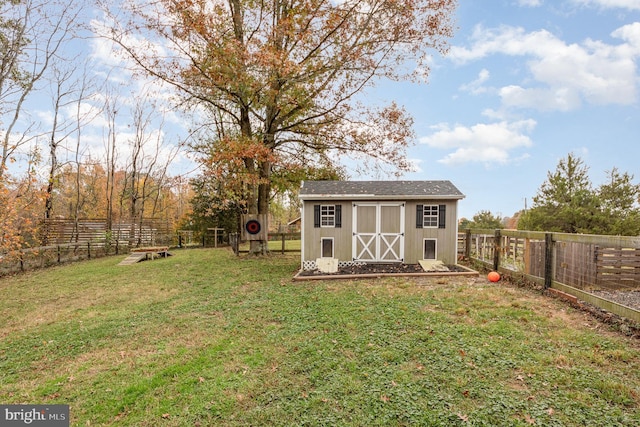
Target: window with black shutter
(327,216)
(431,216)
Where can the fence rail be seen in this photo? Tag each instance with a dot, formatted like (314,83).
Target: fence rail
(148,231)
(581,265)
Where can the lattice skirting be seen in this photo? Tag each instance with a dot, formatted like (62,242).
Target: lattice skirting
(311,265)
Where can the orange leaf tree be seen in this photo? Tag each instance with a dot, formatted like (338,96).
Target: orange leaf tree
(279,81)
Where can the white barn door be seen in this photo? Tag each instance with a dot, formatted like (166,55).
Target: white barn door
(378,232)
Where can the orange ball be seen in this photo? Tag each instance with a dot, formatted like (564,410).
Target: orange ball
(494,276)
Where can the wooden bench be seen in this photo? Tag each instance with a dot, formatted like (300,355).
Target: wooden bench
(141,254)
(162,251)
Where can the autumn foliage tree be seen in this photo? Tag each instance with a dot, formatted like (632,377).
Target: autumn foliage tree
(278,82)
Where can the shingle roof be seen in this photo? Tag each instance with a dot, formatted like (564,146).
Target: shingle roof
(379,190)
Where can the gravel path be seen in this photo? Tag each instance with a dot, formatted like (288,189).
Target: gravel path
(629,298)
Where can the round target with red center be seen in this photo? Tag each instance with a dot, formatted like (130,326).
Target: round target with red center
(253,226)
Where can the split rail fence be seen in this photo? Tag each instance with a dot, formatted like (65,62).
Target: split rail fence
(589,267)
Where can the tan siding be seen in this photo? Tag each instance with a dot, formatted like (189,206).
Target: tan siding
(341,236)
(446,238)
(391,219)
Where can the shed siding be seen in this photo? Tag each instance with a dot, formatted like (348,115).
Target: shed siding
(447,237)
(313,235)
(413,241)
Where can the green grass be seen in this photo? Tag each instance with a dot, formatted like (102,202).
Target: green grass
(206,338)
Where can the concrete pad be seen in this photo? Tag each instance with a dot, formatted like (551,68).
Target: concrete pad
(327,265)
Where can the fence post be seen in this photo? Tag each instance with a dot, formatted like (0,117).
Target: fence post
(282,243)
(497,243)
(58,254)
(467,244)
(89,250)
(548,260)
(234,242)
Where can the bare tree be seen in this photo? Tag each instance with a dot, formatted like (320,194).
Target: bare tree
(32,33)
(111,154)
(146,169)
(81,117)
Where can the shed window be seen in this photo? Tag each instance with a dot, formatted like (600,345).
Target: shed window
(327,216)
(430,216)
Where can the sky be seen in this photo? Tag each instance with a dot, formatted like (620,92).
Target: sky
(525,83)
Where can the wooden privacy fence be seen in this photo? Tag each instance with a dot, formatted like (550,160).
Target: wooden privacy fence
(578,264)
(146,232)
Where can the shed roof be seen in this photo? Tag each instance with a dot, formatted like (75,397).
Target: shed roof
(314,190)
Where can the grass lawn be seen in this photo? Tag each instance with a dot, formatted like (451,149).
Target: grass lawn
(205,338)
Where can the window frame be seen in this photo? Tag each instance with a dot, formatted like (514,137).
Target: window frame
(327,216)
(430,213)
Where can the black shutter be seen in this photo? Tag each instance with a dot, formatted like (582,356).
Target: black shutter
(419,216)
(442,213)
(316,216)
(338,216)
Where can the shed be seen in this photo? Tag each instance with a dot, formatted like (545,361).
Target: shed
(379,221)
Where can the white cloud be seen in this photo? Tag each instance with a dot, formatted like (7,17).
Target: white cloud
(631,35)
(565,74)
(530,3)
(611,4)
(481,143)
(546,99)
(476,87)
